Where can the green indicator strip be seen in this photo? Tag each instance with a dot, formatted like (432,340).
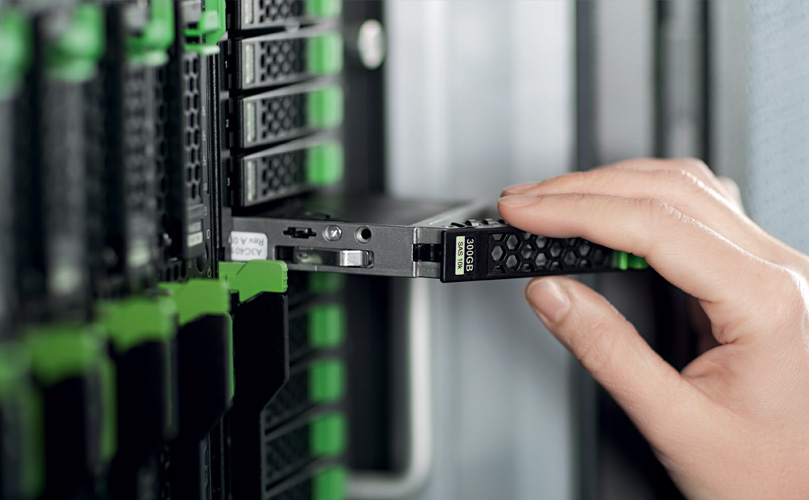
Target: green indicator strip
(330,484)
(327,325)
(323,283)
(326,9)
(324,107)
(254,277)
(151,47)
(73,56)
(15,56)
(327,435)
(324,54)
(324,164)
(326,381)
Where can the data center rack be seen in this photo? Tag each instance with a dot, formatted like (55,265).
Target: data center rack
(134,361)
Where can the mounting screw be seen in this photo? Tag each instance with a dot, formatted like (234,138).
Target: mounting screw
(332,233)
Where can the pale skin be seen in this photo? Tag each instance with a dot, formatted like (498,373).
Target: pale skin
(734,424)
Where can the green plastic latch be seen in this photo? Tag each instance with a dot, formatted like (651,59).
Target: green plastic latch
(624,261)
(15,363)
(324,107)
(324,54)
(323,8)
(198,297)
(327,435)
(211,26)
(638,263)
(330,484)
(74,55)
(17,394)
(135,320)
(324,164)
(326,381)
(254,277)
(151,47)
(620,260)
(326,326)
(323,283)
(60,352)
(15,56)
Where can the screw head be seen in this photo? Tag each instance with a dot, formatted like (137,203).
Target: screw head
(332,233)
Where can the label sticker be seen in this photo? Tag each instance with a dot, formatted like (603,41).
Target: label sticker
(194,239)
(246,246)
(460,242)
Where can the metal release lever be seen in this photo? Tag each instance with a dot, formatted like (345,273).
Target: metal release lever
(326,257)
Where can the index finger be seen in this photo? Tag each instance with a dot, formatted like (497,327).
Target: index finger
(688,254)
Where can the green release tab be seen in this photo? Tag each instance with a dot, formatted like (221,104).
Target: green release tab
(199,297)
(326,381)
(324,164)
(323,8)
(324,107)
(324,54)
(330,484)
(326,326)
(327,435)
(254,277)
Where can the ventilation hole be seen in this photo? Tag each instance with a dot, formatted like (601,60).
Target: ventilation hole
(511,242)
(556,249)
(511,262)
(584,248)
(497,253)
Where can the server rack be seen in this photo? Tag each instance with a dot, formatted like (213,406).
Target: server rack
(136,362)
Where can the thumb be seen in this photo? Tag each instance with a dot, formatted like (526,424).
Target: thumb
(652,392)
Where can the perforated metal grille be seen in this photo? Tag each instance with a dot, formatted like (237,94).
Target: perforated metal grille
(6,215)
(273,119)
(272,176)
(139,165)
(161,147)
(286,454)
(193,129)
(298,336)
(264,13)
(291,400)
(275,61)
(301,491)
(526,252)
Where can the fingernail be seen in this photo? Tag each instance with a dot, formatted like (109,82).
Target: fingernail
(518,200)
(519,188)
(548,299)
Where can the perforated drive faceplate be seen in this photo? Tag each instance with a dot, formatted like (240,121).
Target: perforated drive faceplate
(490,249)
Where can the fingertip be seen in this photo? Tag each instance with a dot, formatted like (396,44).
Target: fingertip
(548,298)
(518,188)
(517,201)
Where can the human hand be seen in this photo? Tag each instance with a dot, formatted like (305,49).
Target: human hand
(734,424)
